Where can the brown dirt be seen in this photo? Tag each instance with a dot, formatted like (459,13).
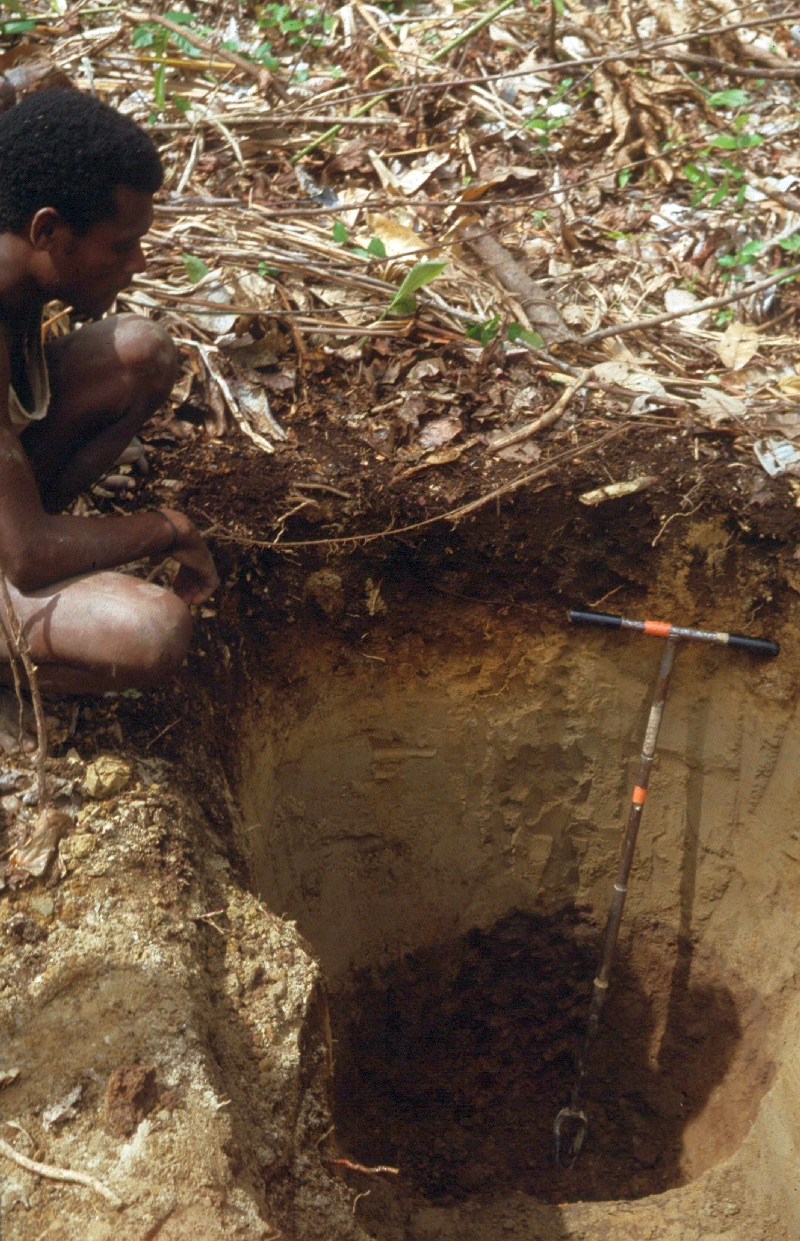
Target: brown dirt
(453,1063)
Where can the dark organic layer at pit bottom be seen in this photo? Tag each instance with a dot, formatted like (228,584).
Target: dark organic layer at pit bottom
(453,1062)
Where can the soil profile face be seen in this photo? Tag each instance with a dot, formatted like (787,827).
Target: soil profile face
(443,821)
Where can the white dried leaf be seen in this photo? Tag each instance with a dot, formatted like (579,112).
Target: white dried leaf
(425,369)
(776,454)
(682,299)
(738,345)
(373,598)
(414,178)
(252,410)
(65,1109)
(717,407)
(440,431)
(790,386)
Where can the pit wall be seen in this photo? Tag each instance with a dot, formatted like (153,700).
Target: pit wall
(402,799)
(397,803)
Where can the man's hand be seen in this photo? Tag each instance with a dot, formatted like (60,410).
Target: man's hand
(197,577)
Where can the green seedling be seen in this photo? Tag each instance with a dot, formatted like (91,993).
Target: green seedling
(404,301)
(749,251)
(195,268)
(375,250)
(517,332)
(484,332)
(539,121)
(296,27)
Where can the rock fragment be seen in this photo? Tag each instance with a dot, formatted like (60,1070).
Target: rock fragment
(106,776)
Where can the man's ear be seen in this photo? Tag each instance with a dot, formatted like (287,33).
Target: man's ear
(45,227)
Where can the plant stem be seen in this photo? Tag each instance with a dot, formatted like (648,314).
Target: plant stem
(473,29)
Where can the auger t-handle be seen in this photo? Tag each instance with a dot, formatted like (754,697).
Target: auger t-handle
(662,629)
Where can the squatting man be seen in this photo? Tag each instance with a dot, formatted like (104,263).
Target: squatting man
(77,181)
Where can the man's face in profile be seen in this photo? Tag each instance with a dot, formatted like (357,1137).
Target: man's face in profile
(93,269)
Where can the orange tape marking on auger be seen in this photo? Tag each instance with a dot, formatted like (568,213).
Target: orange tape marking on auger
(659,629)
(639,795)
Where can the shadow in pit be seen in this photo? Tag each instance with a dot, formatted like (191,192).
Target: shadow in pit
(453,1062)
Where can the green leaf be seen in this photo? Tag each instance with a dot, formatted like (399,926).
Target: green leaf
(266,270)
(721,193)
(624,177)
(183,105)
(421,274)
(790,244)
(484,332)
(263,55)
(750,249)
(403,306)
(727,142)
(195,268)
(159,87)
(728,98)
(18,27)
(143,36)
(517,332)
(377,248)
(340,233)
(183,45)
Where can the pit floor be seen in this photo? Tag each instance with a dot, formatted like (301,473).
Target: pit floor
(453,1064)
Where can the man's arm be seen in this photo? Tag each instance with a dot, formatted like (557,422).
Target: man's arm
(38,548)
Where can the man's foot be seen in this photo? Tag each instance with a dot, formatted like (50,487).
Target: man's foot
(135,455)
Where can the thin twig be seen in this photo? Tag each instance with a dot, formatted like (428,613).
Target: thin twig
(473,29)
(360,1167)
(50,1173)
(547,419)
(789,74)
(20,641)
(710,303)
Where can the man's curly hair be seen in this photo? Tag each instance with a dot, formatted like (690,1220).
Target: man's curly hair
(67,150)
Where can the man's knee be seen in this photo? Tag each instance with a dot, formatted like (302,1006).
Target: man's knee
(159,641)
(147,353)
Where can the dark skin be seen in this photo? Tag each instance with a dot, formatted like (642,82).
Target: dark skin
(86,626)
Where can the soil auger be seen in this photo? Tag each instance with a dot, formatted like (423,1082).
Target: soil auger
(573,1118)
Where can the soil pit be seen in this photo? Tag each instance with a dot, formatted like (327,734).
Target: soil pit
(454,1063)
(443,821)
